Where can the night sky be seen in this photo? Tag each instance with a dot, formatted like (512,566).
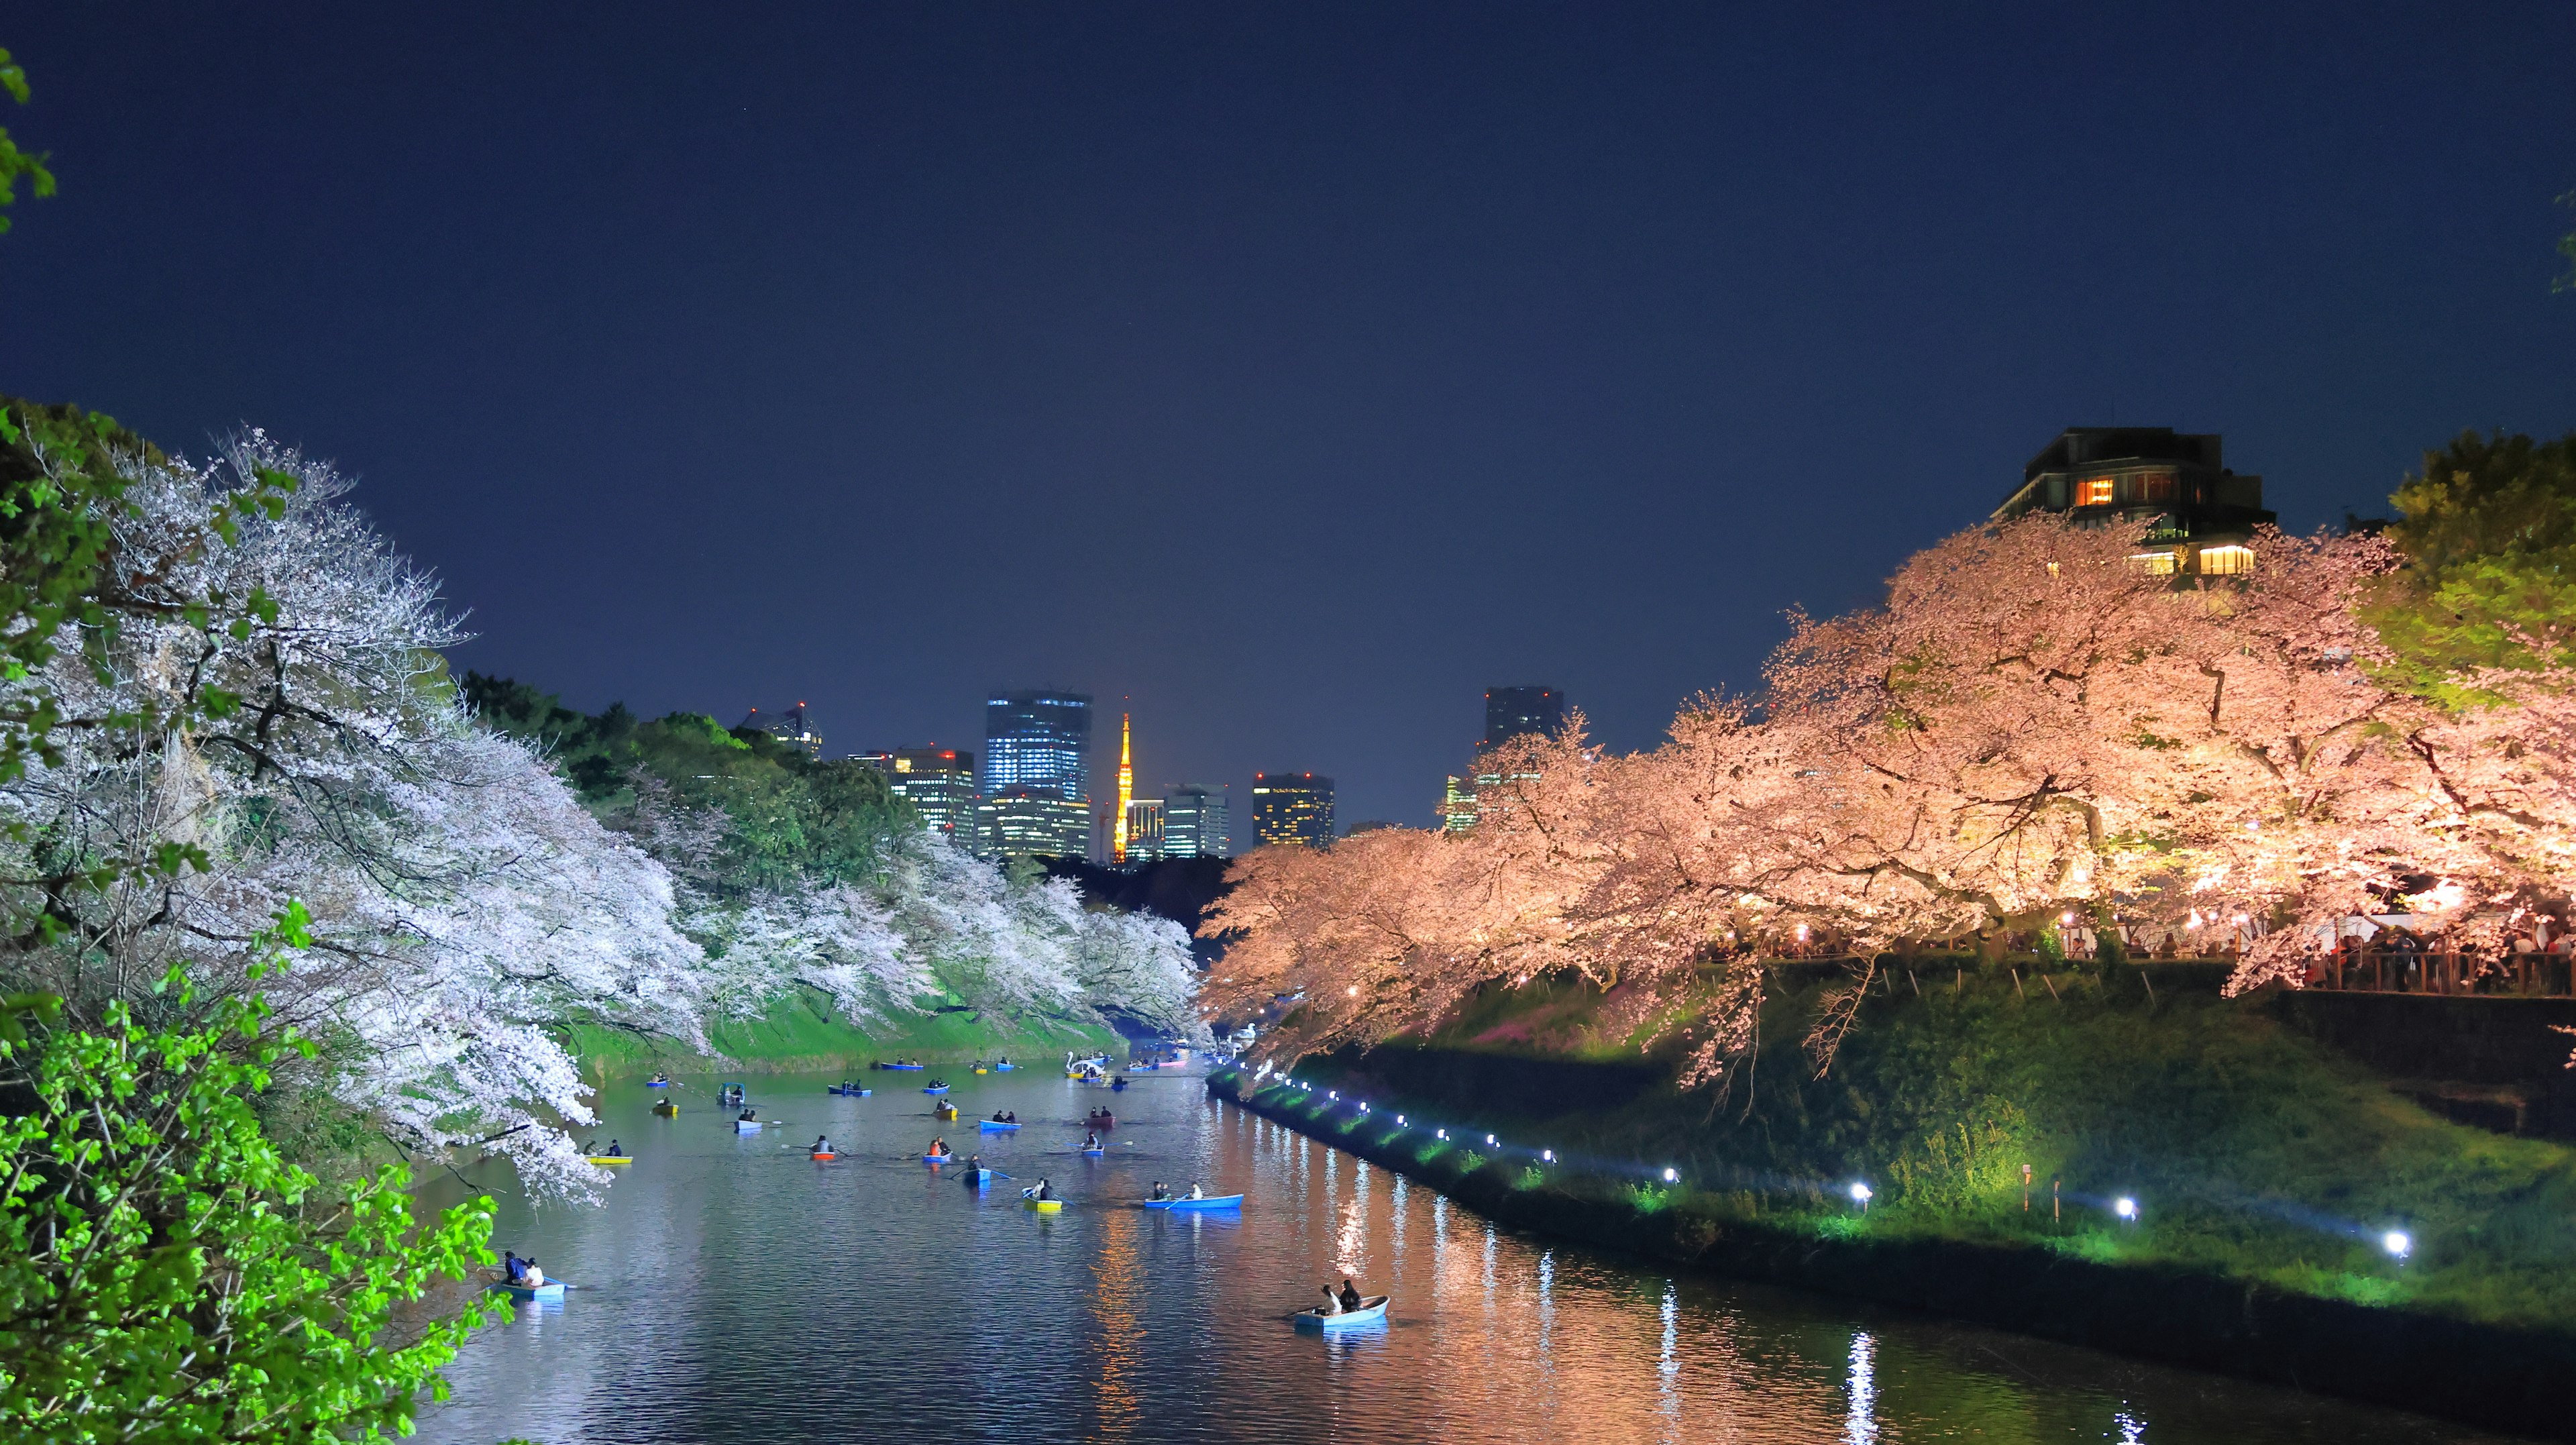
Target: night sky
(1290,372)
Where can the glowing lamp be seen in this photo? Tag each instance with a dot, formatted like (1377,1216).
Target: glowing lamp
(1547,1154)
(1353,991)
(1332,1093)
(1672,1176)
(1439,1133)
(1860,1194)
(1363,1108)
(2125,1208)
(2397,1243)
(1399,1119)
(1489,1138)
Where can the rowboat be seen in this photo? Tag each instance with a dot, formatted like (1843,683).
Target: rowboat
(657,1083)
(1095,1153)
(989,1127)
(937,1158)
(977,1177)
(819,1156)
(907,1066)
(1372,1311)
(746,1126)
(935,1089)
(847,1091)
(980,1071)
(1004,1068)
(1213,1201)
(612,1158)
(1043,1206)
(551,1289)
(945,1112)
(667,1109)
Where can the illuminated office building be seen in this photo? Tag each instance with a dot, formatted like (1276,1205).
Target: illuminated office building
(1457,804)
(1292,809)
(1197,822)
(1038,739)
(789,727)
(1144,843)
(938,782)
(1033,823)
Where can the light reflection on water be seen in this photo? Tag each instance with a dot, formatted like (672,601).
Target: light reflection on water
(733,1291)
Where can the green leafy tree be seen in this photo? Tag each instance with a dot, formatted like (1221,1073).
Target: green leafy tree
(2489,531)
(16,164)
(166,1276)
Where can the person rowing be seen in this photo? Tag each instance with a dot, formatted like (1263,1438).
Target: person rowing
(747,1115)
(615,1150)
(1046,1190)
(510,1266)
(822,1145)
(1350,1296)
(661,1078)
(1332,1304)
(1195,1191)
(1091,1141)
(938,1148)
(974,1164)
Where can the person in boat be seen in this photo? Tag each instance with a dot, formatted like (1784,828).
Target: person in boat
(590,1146)
(1160,1192)
(1332,1304)
(1350,1296)
(615,1150)
(1046,1190)
(510,1266)
(661,1078)
(974,1163)
(1195,1191)
(529,1275)
(822,1145)
(748,1114)
(1091,1141)
(937,1147)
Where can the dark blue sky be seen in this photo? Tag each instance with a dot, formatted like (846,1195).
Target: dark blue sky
(1293,371)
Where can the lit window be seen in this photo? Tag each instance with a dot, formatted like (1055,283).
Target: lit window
(2154,564)
(2159,486)
(2226,561)
(2093,492)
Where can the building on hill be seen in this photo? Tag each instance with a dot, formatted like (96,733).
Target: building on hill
(938,782)
(1515,712)
(1292,809)
(2194,517)
(1197,821)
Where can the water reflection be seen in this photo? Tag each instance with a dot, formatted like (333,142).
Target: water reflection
(739,1294)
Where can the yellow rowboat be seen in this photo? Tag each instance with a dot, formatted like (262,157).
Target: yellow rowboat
(667,1109)
(1043,1206)
(612,1158)
(944,1111)
(979,1071)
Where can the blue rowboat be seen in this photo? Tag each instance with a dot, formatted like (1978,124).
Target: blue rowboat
(746,1126)
(977,1177)
(935,1089)
(657,1083)
(989,1127)
(937,1158)
(551,1289)
(908,1066)
(1372,1311)
(1004,1068)
(1095,1153)
(1213,1201)
(852,1091)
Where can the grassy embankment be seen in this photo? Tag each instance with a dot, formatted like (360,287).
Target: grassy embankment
(802,1033)
(2257,1156)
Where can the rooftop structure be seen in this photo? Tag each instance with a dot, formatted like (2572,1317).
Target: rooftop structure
(2193,516)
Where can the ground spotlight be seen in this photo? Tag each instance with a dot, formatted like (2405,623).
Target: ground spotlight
(1489,1138)
(2125,1207)
(1547,1155)
(2398,1243)
(1672,1176)
(1399,1121)
(1439,1133)
(1860,1194)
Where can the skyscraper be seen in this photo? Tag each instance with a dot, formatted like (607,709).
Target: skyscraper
(789,727)
(1034,823)
(1458,804)
(1197,821)
(1292,809)
(938,782)
(1126,792)
(1038,739)
(1512,712)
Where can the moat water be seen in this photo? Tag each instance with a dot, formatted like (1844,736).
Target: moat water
(733,1290)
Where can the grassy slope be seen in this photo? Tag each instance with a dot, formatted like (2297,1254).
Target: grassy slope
(2256,1153)
(802,1032)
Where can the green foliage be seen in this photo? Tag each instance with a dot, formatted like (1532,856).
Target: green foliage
(15,163)
(2489,531)
(166,1276)
(789,818)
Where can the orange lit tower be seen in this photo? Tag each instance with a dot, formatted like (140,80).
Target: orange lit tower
(1126,795)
